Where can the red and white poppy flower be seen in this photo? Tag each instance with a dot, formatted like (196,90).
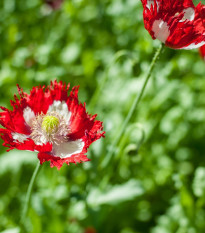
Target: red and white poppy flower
(176,23)
(50,122)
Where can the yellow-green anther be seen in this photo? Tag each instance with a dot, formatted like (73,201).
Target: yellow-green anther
(50,124)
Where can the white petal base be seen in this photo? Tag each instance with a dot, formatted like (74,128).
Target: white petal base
(66,149)
(161,30)
(18,137)
(61,108)
(28,115)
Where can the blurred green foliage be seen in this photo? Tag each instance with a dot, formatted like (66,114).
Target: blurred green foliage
(158,187)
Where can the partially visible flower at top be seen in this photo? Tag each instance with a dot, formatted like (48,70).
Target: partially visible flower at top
(54,4)
(51,122)
(177,23)
(202,52)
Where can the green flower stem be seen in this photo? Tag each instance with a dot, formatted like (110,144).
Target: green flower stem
(132,109)
(29,191)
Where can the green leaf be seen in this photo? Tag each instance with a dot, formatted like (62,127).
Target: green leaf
(116,194)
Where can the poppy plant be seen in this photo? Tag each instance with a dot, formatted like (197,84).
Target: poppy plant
(178,24)
(51,122)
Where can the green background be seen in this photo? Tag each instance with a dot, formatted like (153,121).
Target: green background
(156,186)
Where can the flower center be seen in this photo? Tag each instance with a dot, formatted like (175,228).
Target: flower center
(50,124)
(50,128)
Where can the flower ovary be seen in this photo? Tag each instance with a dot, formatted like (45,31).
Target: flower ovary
(50,124)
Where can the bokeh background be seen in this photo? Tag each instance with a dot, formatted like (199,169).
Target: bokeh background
(155,182)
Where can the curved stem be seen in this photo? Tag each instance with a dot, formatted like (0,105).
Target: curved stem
(29,191)
(132,109)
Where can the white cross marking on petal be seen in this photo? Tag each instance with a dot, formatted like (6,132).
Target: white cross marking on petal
(189,14)
(66,149)
(61,108)
(28,115)
(161,30)
(18,137)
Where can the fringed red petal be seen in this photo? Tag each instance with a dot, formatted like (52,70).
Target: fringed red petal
(58,162)
(28,144)
(81,121)
(41,98)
